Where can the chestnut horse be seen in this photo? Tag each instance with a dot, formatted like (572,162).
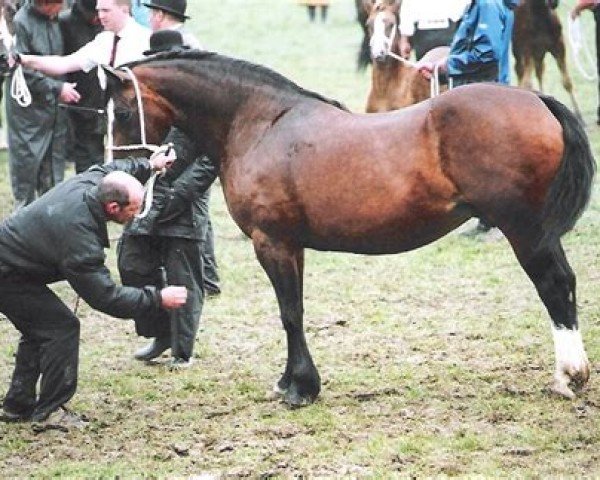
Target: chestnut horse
(300,171)
(537,31)
(363,10)
(394,83)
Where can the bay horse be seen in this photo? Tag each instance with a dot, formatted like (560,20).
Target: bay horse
(300,171)
(394,83)
(537,30)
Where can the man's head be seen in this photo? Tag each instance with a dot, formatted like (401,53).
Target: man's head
(166,13)
(87,8)
(49,8)
(121,196)
(113,14)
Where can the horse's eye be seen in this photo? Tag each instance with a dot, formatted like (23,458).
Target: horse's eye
(122,115)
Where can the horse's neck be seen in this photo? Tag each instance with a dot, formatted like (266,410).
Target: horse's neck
(389,75)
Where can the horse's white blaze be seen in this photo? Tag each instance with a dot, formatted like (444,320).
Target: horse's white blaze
(571,359)
(380,43)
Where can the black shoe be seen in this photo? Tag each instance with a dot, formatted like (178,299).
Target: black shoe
(153,350)
(211,291)
(13,417)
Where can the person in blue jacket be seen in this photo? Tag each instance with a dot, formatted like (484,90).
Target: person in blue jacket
(480,48)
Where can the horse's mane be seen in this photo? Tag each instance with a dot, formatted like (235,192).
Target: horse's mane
(245,69)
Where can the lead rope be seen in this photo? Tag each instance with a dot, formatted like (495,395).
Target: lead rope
(379,31)
(579,47)
(18,87)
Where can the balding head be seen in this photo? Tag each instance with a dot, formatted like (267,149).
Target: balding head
(121,196)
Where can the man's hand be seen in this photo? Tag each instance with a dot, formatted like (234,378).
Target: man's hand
(427,68)
(405,47)
(582,5)
(68,94)
(163,157)
(173,297)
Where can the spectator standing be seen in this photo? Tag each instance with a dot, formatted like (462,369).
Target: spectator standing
(172,235)
(62,236)
(171,15)
(37,133)
(479,45)
(80,25)
(312,5)
(594,6)
(426,24)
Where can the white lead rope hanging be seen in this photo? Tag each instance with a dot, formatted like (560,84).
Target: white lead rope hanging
(582,55)
(18,87)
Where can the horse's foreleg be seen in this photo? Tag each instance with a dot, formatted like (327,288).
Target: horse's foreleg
(284,264)
(554,280)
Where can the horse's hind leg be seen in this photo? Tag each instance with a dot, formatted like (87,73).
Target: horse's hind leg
(559,55)
(554,280)
(300,383)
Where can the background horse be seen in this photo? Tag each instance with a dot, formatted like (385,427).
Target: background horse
(300,171)
(363,10)
(537,31)
(394,83)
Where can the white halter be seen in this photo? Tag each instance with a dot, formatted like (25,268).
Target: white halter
(143,145)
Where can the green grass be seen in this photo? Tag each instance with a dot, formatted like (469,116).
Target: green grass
(434,363)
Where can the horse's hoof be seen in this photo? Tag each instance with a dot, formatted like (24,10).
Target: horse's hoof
(562,390)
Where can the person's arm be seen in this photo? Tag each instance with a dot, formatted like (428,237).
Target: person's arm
(140,168)
(50,64)
(484,43)
(581,6)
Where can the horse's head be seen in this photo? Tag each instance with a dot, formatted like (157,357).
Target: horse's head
(127,127)
(382,27)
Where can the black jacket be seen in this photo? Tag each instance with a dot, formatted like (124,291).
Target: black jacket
(62,236)
(180,204)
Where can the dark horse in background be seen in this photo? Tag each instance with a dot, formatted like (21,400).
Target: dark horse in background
(537,31)
(300,171)
(394,83)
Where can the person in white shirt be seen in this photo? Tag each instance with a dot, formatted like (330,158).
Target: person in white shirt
(426,24)
(123,40)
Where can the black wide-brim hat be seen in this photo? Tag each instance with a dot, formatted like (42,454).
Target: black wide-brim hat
(165,41)
(174,7)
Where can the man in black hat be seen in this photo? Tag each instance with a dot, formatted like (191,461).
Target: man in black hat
(173,235)
(170,15)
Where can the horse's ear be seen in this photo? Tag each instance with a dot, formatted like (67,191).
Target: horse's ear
(111,79)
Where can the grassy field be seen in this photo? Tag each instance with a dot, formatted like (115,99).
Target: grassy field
(435,362)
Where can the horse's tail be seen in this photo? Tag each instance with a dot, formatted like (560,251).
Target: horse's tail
(571,188)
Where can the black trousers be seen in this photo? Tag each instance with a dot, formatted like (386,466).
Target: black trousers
(139,260)
(48,349)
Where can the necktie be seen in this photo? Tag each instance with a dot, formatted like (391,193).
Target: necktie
(113,52)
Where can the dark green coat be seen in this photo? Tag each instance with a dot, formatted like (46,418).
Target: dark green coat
(38,132)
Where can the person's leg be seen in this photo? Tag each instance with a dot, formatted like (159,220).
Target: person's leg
(311,12)
(21,398)
(183,261)
(209,261)
(52,334)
